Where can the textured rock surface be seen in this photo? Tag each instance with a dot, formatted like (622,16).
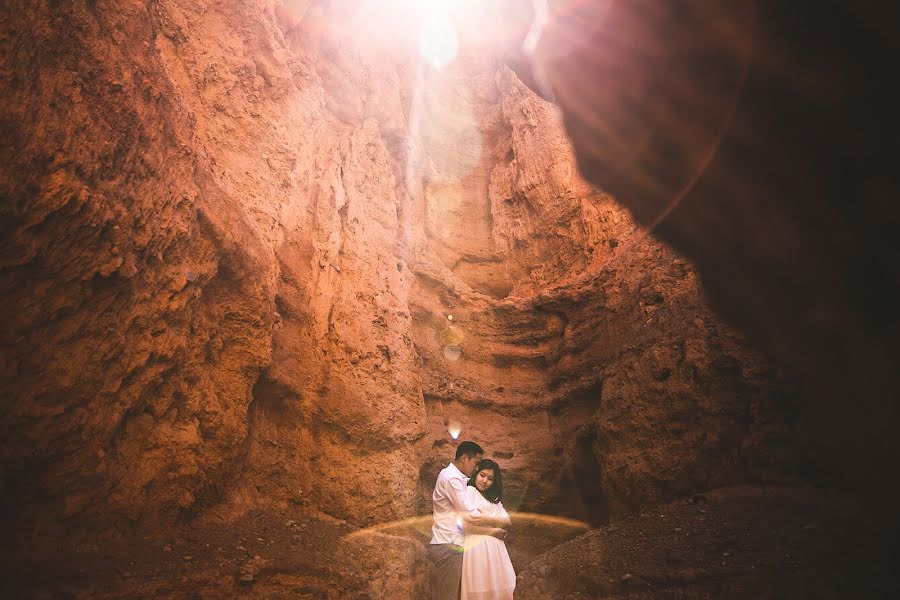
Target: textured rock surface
(136,295)
(249,263)
(760,134)
(735,542)
(271,553)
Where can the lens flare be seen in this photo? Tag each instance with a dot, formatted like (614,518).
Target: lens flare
(421,525)
(451,335)
(454,428)
(438,42)
(452,352)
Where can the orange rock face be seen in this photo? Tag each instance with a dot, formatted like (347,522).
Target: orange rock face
(748,126)
(250,263)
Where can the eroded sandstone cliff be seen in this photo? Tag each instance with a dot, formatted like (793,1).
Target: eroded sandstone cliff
(251,262)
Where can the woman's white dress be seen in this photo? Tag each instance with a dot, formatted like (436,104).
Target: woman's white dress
(487,572)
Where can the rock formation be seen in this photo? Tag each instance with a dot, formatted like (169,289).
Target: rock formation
(255,261)
(749,128)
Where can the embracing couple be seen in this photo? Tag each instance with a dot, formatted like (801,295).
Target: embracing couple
(469,557)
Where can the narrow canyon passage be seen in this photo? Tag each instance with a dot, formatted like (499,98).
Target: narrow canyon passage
(265,263)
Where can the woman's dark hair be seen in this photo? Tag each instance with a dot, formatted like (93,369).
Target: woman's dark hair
(495,492)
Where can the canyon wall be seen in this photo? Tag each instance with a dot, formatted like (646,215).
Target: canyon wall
(250,260)
(760,145)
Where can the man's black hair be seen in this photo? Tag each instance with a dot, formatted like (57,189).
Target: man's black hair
(468,448)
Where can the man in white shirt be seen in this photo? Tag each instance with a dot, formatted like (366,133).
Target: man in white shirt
(452,518)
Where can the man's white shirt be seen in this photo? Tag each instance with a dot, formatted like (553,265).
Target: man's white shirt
(449,504)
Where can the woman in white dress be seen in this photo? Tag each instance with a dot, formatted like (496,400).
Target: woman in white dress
(487,572)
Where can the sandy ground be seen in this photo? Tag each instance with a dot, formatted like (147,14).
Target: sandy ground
(739,542)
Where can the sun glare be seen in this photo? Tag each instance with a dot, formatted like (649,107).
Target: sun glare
(436,28)
(438,42)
